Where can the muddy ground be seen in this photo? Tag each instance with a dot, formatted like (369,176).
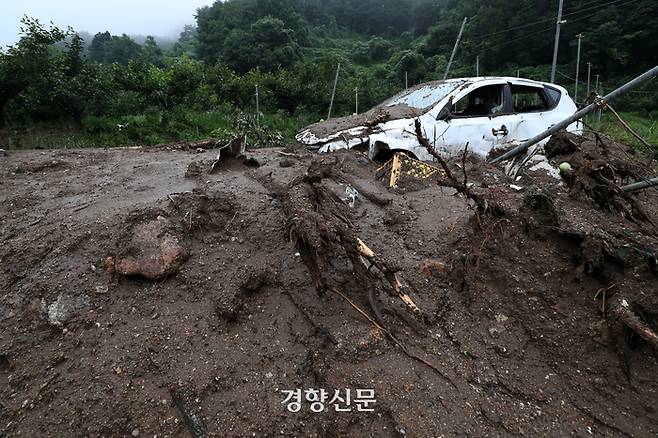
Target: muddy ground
(142,296)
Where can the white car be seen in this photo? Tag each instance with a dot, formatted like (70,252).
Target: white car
(488,113)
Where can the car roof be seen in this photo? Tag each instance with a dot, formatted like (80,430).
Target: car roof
(482,80)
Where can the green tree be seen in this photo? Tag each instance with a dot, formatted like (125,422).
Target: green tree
(152,53)
(29,63)
(413,65)
(267,44)
(186,43)
(107,48)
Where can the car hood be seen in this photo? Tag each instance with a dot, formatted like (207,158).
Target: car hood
(354,125)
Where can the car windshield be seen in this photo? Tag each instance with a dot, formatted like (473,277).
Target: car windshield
(423,97)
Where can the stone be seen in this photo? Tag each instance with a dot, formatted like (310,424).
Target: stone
(64,308)
(155,250)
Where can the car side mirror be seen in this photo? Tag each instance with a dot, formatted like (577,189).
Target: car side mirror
(445,113)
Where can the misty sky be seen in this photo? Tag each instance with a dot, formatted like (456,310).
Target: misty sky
(143,17)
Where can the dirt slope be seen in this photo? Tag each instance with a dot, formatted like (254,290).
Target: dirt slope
(230,315)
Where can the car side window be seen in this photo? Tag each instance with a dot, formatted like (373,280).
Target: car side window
(487,101)
(528,99)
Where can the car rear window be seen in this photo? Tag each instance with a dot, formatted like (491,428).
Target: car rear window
(553,96)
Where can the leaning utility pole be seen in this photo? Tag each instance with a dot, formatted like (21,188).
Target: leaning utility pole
(477,66)
(557,40)
(333,93)
(575,95)
(598,104)
(454,49)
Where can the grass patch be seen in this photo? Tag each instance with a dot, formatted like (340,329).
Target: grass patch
(153,127)
(644,124)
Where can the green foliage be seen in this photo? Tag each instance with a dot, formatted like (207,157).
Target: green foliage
(108,48)
(413,64)
(207,81)
(152,53)
(643,124)
(266,44)
(186,44)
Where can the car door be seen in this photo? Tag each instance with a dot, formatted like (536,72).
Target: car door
(533,109)
(480,115)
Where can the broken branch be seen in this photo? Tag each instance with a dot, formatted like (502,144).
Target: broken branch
(480,200)
(427,145)
(388,273)
(628,128)
(619,307)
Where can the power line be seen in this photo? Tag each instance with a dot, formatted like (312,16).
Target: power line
(521,37)
(603,5)
(546,29)
(513,28)
(586,6)
(574,20)
(544,20)
(565,76)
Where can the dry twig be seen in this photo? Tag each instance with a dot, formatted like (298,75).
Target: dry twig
(628,128)
(394,339)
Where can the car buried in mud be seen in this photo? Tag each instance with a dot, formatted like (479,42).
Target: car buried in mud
(488,113)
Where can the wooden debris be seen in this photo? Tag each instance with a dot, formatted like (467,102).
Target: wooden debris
(234,148)
(404,349)
(620,308)
(321,227)
(389,274)
(483,202)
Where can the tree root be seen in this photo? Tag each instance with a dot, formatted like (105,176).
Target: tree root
(321,228)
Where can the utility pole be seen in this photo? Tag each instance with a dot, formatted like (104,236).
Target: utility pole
(406,80)
(356,100)
(454,49)
(600,109)
(598,93)
(477,66)
(575,95)
(557,40)
(333,93)
(589,74)
(257,109)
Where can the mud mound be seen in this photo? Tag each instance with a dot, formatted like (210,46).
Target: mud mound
(482,307)
(201,213)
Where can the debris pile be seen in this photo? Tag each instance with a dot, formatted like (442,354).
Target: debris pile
(161,300)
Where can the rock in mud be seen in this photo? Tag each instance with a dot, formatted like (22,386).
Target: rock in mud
(194,169)
(432,268)
(155,250)
(64,308)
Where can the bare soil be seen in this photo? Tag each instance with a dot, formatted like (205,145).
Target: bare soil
(142,296)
